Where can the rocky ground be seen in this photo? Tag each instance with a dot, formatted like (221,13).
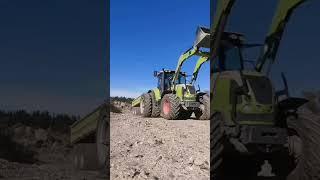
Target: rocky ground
(141,148)
(155,148)
(28,153)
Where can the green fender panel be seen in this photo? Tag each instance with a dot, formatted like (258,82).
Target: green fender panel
(221,99)
(157,93)
(179,92)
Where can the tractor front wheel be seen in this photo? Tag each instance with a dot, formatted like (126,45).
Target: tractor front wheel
(155,106)
(216,146)
(171,108)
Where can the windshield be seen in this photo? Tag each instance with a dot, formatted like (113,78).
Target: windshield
(181,79)
(236,58)
(229,59)
(250,56)
(169,77)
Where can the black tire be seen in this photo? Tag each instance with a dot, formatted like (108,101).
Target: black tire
(171,108)
(85,156)
(295,147)
(216,146)
(102,141)
(156,110)
(146,105)
(307,143)
(204,107)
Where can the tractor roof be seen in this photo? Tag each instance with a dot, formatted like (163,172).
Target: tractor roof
(170,71)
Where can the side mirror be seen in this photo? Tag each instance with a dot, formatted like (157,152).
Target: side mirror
(284,79)
(285,91)
(155,73)
(198,90)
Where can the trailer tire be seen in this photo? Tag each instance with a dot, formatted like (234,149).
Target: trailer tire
(146,105)
(156,110)
(76,158)
(85,156)
(102,144)
(171,108)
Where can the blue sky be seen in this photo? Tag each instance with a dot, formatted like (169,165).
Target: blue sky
(151,35)
(53,55)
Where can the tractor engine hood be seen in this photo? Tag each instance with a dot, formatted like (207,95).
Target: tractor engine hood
(186,92)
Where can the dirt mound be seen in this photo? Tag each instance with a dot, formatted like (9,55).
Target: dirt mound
(120,107)
(14,151)
(21,143)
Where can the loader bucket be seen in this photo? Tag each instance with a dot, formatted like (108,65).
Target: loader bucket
(202,38)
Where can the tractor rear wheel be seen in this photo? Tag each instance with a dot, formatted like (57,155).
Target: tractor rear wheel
(155,106)
(171,108)
(146,105)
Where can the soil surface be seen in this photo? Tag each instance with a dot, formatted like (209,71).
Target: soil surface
(141,148)
(28,153)
(155,148)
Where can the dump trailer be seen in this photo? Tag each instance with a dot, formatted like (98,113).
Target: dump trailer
(89,137)
(174,97)
(249,117)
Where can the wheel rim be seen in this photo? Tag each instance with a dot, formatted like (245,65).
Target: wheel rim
(75,160)
(166,107)
(142,107)
(81,161)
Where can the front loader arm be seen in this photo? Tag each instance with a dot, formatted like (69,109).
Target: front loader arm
(218,23)
(279,22)
(200,61)
(191,52)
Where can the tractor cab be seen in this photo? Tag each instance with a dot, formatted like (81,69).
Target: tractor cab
(165,78)
(233,53)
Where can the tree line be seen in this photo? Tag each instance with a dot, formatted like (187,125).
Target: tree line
(121,99)
(37,119)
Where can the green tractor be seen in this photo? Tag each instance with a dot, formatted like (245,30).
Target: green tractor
(174,97)
(249,118)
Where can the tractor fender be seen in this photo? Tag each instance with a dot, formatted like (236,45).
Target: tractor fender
(157,93)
